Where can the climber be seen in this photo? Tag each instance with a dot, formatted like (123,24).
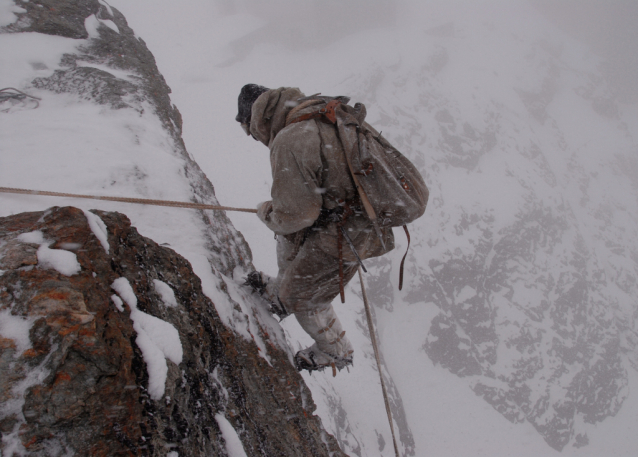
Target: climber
(313,198)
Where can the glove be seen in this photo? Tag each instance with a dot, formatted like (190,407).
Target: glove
(263,210)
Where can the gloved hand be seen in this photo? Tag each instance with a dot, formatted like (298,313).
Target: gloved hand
(263,210)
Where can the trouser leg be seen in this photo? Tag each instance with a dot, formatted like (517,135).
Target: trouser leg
(307,287)
(268,287)
(324,327)
(271,289)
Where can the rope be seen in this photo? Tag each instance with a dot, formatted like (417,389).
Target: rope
(378,357)
(141,201)
(4,96)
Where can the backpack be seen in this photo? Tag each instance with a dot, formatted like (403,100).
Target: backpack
(392,184)
(391,189)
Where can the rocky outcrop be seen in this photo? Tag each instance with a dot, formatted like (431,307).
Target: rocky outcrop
(77,376)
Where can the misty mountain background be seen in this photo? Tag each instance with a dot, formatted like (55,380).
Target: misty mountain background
(522,118)
(516,332)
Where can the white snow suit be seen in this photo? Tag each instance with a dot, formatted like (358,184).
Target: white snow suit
(311,178)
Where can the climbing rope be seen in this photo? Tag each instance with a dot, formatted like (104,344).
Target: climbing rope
(5,95)
(141,201)
(378,357)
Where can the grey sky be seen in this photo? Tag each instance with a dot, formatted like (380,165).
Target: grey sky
(610,27)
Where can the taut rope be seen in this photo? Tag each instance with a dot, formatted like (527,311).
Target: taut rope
(378,357)
(141,201)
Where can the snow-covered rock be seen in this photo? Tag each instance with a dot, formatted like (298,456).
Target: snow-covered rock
(515,329)
(110,343)
(85,371)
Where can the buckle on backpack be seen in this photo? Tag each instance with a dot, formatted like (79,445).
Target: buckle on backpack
(330,110)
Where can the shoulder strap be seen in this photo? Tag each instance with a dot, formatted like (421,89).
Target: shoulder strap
(291,119)
(405,227)
(326,114)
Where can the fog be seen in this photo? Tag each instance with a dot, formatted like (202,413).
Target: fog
(521,116)
(608,27)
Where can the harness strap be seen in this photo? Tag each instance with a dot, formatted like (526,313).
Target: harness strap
(407,233)
(307,116)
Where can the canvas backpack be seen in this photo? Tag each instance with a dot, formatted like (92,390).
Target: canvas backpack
(391,189)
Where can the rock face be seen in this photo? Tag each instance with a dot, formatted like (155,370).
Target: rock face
(111,66)
(112,347)
(76,375)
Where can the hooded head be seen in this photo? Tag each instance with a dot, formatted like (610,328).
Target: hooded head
(249,93)
(269,113)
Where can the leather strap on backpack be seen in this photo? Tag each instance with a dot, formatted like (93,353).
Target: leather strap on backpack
(405,227)
(326,114)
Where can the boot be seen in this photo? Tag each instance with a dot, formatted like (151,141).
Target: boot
(331,347)
(313,358)
(265,287)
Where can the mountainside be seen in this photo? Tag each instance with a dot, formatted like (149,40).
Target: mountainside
(522,275)
(528,248)
(110,343)
(515,332)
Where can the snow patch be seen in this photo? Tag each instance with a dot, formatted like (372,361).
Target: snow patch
(92,24)
(64,262)
(98,228)
(120,74)
(465,294)
(234,448)
(157,339)
(35,237)
(107,6)
(8,11)
(17,329)
(117,301)
(24,57)
(166,292)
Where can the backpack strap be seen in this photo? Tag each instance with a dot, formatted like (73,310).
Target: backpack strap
(407,233)
(291,119)
(326,114)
